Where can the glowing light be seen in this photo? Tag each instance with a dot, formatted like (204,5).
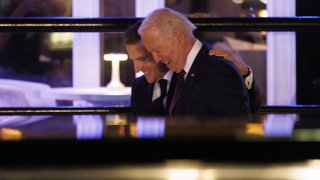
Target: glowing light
(254,129)
(279,125)
(237,1)
(314,163)
(264,1)
(186,174)
(133,130)
(88,126)
(150,127)
(263,13)
(61,40)
(309,173)
(115,120)
(115,58)
(86,50)
(8,134)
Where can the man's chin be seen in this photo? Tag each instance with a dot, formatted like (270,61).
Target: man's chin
(150,80)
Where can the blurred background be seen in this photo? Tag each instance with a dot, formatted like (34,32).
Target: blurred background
(48,57)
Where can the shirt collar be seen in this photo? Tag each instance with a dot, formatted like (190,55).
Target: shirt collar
(192,55)
(168,75)
(156,87)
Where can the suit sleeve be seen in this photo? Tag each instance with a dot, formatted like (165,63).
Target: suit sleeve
(133,101)
(228,90)
(254,97)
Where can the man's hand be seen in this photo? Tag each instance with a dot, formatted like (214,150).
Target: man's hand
(233,57)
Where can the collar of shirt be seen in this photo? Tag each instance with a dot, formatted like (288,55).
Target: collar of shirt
(156,88)
(191,56)
(249,79)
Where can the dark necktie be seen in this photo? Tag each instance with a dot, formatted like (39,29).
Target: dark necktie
(158,103)
(163,87)
(177,91)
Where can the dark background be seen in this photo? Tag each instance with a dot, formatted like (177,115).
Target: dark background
(308,57)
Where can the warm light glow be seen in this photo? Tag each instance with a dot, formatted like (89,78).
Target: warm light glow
(115,120)
(264,1)
(7,134)
(115,56)
(307,173)
(254,129)
(263,13)
(314,163)
(238,1)
(185,174)
(61,40)
(133,130)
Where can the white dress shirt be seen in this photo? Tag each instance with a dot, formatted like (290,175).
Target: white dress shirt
(249,79)
(157,89)
(192,56)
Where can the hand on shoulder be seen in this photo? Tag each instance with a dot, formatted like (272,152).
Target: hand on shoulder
(222,51)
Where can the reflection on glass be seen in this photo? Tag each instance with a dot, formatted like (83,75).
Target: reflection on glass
(254,129)
(88,126)
(116,125)
(150,127)
(8,134)
(116,119)
(38,57)
(279,125)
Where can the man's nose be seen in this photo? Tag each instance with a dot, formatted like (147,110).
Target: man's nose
(137,66)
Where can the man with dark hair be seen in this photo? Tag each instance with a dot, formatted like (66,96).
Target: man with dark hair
(148,91)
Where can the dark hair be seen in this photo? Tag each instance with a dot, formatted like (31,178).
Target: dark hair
(131,34)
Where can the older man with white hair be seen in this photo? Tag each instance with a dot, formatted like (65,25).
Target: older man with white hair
(206,86)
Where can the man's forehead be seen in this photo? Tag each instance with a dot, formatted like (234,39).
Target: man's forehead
(151,42)
(139,54)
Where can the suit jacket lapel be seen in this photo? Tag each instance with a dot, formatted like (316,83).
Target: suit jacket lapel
(146,103)
(149,92)
(190,80)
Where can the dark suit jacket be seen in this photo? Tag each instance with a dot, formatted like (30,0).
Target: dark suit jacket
(141,97)
(255,98)
(213,88)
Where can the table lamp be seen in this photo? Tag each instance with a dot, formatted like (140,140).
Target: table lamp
(115,58)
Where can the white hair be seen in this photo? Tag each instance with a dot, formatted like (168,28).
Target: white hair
(166,19)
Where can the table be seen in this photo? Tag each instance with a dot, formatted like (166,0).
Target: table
(100,96)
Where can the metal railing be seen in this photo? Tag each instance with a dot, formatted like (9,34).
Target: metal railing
(120,24)
(62,110)
(298,24)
